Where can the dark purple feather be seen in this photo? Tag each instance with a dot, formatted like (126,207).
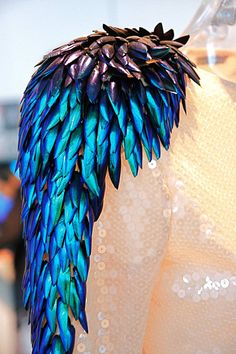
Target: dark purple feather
(73,56)
(108,51)
(93,84)
(85,66)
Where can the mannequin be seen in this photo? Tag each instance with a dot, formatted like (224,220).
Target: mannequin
(162,279)
(194,293)
(163,253)
(213,34)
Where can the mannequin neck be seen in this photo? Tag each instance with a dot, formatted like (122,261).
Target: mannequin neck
(221,62)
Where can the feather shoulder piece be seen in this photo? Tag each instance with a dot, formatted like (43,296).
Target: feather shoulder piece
(120,88)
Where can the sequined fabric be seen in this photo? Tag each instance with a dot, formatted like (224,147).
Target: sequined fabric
(163,271)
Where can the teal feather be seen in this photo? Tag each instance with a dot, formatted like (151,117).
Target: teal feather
(51,316)
(75,117)
(137,113)
(90,179)
(57,346)
(63,285)
(156,147)
(52,299)
(64,260)
(74,300)
(83,207)
(104,106)
(82,263)
(59,232)
(133,164)
(114,154)
(154,107)
(122,117)
(129,140)
(103,130)
(47,285)
(77,225)
(46,337)
(35,162)
(53,247)
(66,330)
(55,267)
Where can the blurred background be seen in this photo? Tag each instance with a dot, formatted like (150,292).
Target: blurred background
(28,30)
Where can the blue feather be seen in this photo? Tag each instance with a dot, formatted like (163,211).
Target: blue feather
(63,285)
(137,113)
(129,140)
(66,330)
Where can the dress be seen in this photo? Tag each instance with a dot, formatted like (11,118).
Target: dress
(163,267)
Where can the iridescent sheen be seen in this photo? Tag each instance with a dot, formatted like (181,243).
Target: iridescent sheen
(114,89)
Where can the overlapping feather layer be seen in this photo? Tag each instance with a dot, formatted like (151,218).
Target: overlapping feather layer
(114,89)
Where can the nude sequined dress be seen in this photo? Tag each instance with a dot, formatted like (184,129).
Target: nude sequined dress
(163,266)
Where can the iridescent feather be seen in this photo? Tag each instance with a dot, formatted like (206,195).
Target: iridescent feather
(112,90)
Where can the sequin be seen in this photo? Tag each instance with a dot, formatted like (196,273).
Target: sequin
(81,347)
(152,164)
(102,233)
(181,293)
(105,323)
(102,249)
(224,283)
(112,290)
(101,265)
(104,290)
(97,258)
(175,287)
(102,349)
(187,278)
(200,286)
(113,273)
(101,332)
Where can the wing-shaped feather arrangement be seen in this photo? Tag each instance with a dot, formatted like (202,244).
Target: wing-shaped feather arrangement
(114,89)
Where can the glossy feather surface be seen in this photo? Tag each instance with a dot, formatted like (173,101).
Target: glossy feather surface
(89,99)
